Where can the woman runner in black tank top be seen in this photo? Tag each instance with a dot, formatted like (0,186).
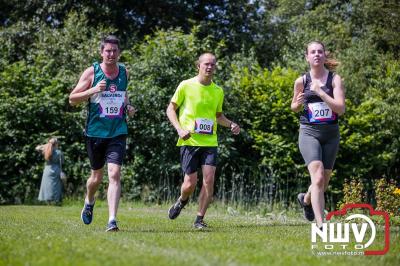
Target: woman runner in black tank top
(320,97)
(315,110)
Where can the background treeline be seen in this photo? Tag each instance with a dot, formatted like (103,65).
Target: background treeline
(46,45)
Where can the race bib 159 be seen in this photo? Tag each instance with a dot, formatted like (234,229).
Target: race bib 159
(112,104)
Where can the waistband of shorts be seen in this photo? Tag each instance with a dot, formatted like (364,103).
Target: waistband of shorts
(323,127)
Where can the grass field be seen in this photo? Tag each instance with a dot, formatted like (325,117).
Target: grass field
(50,235)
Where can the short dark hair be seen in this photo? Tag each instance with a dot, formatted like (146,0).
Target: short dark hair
(109,39)
(204,54)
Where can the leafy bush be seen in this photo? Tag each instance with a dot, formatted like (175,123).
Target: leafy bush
(41,63)
(387,196)
(35,106)
(353,192)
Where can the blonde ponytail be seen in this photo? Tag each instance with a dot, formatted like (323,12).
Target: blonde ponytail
(331,63)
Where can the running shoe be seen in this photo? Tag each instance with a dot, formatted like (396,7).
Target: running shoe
(87,213)
(175,209)
(307,209)
(199,224)
(112,226)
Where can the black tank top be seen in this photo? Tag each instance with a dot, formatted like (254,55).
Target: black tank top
(316,111)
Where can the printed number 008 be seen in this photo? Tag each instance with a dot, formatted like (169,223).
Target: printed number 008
(205,127)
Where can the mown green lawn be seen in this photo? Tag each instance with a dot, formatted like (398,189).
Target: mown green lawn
(49,235)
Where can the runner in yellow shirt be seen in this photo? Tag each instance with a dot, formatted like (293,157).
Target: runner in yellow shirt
(199,101)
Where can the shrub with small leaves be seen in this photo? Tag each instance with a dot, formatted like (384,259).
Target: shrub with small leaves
(353,192)
(387,196)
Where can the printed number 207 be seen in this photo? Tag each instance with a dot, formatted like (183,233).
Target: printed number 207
(321,113)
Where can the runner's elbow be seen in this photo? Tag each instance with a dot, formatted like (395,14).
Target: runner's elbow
(295,108)
(72,101)
(341,110)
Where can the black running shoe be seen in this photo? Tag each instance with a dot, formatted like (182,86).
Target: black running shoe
(199,224)
(175,209)
(87,213)
(307,209)
(112,226)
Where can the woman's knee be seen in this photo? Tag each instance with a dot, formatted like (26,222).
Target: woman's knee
(319,181)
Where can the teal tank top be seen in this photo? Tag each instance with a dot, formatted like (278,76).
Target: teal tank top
(106,113)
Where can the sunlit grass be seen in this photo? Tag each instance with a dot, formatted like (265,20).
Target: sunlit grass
(51,235)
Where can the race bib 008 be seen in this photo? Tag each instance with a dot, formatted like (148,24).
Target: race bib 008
(203,126)
(320,112)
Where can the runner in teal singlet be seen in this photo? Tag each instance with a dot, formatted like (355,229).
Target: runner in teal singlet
(103,86)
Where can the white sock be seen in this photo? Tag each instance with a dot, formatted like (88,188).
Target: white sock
(111,218)
(87,201)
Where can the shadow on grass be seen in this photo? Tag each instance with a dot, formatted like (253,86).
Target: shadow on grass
(211,229)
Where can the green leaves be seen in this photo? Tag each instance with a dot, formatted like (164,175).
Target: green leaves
(260,51)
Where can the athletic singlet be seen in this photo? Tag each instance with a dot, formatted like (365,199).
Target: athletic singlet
(106,114)
(316,111)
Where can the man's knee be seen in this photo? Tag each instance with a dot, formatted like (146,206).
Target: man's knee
(208,181)
(190,182)
(96,176)
(114,173)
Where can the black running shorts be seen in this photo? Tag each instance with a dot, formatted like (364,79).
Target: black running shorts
(192,158)
(101,150)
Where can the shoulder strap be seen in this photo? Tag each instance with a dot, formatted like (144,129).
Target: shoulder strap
(96,67)
(122,69)
(307,79)
(330,79)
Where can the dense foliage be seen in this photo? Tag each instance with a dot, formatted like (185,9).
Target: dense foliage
(259,45)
